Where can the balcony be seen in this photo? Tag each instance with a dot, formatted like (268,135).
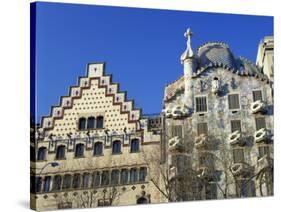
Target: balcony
(241,169)
(176,111)
(201,142)
(235,138)
(262,135)
(258,106)
(175,145)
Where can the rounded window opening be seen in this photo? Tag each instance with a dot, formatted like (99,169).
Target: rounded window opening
(142,200)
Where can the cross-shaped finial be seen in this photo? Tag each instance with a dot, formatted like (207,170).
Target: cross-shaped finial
(188,33)
(188,53)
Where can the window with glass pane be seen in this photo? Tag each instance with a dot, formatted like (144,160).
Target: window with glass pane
(202,128)
(76,181)
(85,180)
(263,150)
(257,95)
(124,176)
(105,178)
(99,122)
(66,181)
(96,179)
(38,184)
(116,147)
(233,101)
(103,202)
(82,123)
(201,104)
(235,125)
(114,177)
(98,148)
(142,174)
(91,123)
(57,183)
(60,153)
(260,123)
(177,131)
(238,155)
(47,183)
(42,153)
(133,175)
(135,145)
(79,150)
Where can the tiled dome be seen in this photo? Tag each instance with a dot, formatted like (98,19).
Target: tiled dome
(216,53)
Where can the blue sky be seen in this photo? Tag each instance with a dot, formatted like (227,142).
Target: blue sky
(141,47)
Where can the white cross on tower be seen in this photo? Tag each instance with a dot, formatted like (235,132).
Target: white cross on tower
(188,35)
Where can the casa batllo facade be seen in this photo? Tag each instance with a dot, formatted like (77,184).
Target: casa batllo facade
(212,140)
(94,149)
(218,126)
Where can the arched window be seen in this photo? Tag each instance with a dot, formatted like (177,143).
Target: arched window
(41,154)
(47,183)
(124,176)
(60,154)
(116,147)
(98,149)
(105,178)
(38,184)
(96,179)
(57,183)
(66,181)
(135,145)
(76,181)
(133,175)
(142,174)
(115,177)
(79,150)
(142,200)
(82,123)
(91,123)
(99,122)
(86,180)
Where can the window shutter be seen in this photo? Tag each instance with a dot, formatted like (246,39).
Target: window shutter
(233,101)
(260,123)
(201,104)
(177,131)
(235,125)
(202,128)
(257,95)
(238,155)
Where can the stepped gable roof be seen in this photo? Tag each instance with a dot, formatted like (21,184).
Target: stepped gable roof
(95,71)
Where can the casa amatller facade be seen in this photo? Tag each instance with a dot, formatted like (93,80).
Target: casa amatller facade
(212,140)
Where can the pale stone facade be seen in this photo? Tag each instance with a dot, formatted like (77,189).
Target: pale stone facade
(219,121)
(94,130)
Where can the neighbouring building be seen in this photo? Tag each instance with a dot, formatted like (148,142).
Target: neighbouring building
(265,56)
(218,119)
(94,149)
(212,140)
